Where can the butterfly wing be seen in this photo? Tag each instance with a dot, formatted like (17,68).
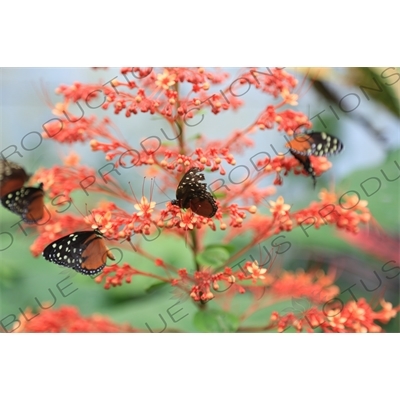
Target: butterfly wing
(323,144)
(27,202)
(191,193)
(12,177)
(83,251)
(187,187)
(204,205)
(315,143)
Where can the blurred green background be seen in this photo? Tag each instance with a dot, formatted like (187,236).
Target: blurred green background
(371,134)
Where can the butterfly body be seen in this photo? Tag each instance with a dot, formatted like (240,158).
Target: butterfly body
(83,251)
(191,193)
(315,144)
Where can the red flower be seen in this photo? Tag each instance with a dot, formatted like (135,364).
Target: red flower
(255,271)
(356,317)
(67,320)
(121,274)
(279,207)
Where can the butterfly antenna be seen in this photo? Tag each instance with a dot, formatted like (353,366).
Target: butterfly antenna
(88,215)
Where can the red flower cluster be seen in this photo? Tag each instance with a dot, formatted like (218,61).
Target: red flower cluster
(201,282)
(347,214)
(318,288)
(121,274)
(350,317)
(67,320)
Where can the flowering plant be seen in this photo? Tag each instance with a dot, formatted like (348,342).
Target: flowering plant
(218,272)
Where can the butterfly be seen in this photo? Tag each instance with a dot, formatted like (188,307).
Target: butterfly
(193,194)
(313,144)
(27,202)
(83,251)
(12,177)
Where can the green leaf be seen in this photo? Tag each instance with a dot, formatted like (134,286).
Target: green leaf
(155,287)
(216,321)
(213,255)
(228,247)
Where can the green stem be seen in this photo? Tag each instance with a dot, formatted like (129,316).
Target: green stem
(179,123)
(181,139)
(182,148)
(195,248)
(193,234)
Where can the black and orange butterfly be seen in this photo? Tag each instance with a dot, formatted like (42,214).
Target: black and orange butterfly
(84,251)
(313,144)
(27,202)
(193,194)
